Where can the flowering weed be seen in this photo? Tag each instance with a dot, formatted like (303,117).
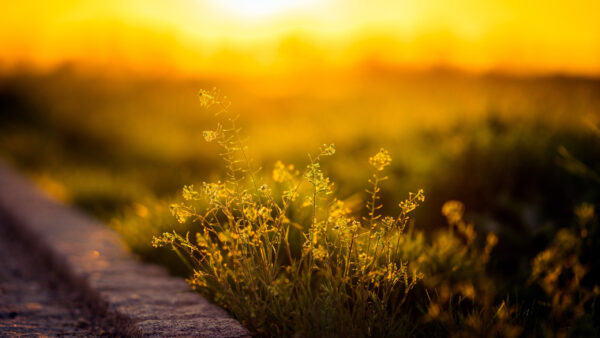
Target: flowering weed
(345,278)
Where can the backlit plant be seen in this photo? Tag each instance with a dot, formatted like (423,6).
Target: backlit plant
(345,278)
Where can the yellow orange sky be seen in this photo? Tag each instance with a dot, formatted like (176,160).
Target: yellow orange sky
(194,36)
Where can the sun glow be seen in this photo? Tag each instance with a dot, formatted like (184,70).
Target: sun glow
(196,36)
(262,8)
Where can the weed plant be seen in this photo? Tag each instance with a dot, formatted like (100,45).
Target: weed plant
(345,278)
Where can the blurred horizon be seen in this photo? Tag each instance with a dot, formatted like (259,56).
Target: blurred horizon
(231,38)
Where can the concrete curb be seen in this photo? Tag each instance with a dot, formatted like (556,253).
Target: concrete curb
(139,299)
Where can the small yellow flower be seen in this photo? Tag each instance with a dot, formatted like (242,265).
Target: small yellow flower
(315,176)
(412,202)
(207,98)
(328,150)
(320,252)
(453,210)
(189,193)
(250,212)
(381,160)
(283,173)
(181,212)
(210,135)
(265,212)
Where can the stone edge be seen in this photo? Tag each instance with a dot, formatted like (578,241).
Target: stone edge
(138,299)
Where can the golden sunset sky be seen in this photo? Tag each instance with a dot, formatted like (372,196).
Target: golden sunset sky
(232,36)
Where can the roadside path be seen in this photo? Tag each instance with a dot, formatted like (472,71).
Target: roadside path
(33,302)
(64,273)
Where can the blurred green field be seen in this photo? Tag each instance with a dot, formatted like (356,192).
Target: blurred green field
(520,153)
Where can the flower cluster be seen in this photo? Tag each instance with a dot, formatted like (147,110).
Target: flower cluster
(380,160)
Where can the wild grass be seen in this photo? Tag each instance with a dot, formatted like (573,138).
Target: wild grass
(297,262)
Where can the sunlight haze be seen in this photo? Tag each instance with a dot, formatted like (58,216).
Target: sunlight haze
(192,36)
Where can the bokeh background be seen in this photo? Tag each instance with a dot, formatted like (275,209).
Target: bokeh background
(493,103)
